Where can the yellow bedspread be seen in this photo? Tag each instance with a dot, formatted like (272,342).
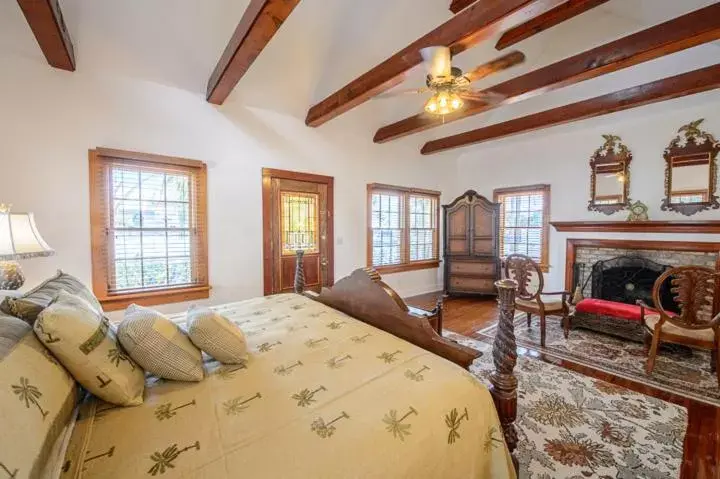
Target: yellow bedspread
(322,395)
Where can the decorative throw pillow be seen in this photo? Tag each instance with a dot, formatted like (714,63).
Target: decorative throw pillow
(159,345)
(85,343)
(216,335)
(37,399)
(28,306)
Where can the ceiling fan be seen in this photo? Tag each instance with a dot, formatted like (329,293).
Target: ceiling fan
(450,86)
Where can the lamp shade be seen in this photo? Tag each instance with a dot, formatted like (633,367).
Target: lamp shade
(19,237)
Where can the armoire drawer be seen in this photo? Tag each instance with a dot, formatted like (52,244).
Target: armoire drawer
(477,285)
(473,267)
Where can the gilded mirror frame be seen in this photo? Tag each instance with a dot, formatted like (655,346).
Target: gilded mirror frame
(691,141)
(613,151)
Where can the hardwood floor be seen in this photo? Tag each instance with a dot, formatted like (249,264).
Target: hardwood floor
(701,455)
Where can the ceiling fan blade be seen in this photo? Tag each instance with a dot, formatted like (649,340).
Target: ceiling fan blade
(484,96)
(437,61)
(395,94)
(496,65)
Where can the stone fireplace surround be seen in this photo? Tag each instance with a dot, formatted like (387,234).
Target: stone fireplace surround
(671,253)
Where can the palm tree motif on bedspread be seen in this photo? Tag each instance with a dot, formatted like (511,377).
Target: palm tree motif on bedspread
(338,361)
(237,405)
(165,460)
(326,429)
(389,357)
(416,375)
(166,411)
(395,424)
(453,420)
(306,397)
(29,394)
(360,339)
(287,370)
(11,474)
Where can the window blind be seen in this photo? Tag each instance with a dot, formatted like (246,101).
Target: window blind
(524,220)
(153,218)
(402,226)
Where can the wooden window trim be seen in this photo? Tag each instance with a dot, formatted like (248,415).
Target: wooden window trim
(545,189)
(114,301)
(406,264)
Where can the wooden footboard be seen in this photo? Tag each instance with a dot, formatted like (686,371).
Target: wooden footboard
(364,296)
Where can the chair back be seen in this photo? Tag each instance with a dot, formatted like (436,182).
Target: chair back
(693,289)
(521,268)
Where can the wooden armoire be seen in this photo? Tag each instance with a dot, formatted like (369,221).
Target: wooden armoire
(471,256)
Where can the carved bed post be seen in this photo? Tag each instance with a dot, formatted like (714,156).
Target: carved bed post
(503,381)
(299,273)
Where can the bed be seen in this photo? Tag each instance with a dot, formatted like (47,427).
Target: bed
(342,384)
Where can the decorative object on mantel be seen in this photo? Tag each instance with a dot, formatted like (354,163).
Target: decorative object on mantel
(638,212)
(691,171)
(610,176)
(696,227)
(19,239)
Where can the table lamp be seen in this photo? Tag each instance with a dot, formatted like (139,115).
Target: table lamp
(19,239)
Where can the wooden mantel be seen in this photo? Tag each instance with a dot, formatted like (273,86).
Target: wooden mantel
(695,227)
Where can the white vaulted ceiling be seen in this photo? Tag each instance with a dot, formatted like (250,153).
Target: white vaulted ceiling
(327,43)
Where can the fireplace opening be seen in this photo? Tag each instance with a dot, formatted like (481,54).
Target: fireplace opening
(626,279)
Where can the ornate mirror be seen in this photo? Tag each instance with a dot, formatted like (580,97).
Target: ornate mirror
(691,171)
(610,176)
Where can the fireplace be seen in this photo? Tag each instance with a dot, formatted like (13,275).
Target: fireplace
(627,279)
(626,270)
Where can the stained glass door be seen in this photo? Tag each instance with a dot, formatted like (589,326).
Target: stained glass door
(300,219)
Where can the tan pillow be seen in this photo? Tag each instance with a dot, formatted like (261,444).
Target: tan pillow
(159,345)
(216,335)
(28,306)
(37,399)
(85,343)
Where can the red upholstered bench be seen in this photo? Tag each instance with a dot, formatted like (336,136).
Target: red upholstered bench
(619,319)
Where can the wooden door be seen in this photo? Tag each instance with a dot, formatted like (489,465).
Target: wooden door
(457,229)
(297,214)
(483,228)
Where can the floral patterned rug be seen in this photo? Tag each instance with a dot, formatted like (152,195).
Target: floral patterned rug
(573,426)
(680,370)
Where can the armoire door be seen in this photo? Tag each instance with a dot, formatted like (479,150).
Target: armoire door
(458,230)
(297,215)
(483,229)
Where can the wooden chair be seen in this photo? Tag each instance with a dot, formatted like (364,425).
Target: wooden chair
(533,300)
(694,288)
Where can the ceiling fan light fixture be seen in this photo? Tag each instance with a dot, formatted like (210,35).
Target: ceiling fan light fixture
(443,103)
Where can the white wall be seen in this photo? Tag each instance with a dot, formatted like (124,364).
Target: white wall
(49,119)
(560,157)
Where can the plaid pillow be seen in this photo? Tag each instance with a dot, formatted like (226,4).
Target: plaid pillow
(216,335)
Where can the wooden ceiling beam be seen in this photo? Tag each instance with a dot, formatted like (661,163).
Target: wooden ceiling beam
(46,22)
(696,81)
(461,32)
(698,27)
(457,5)
(566,11)
(260,22)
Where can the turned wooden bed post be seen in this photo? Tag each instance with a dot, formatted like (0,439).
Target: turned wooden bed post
(299,285)
(503,381)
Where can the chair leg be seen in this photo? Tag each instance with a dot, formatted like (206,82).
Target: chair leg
(647,341)
(529,317)
(653,352)
(542,329)
(566,324)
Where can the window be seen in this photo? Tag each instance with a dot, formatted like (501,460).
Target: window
(689,196)
(299,222)
(524,216)
(149,228)
(402,228)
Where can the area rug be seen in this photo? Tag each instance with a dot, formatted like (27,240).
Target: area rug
(679,370)
(573,426)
